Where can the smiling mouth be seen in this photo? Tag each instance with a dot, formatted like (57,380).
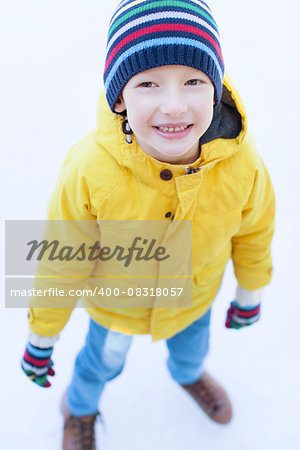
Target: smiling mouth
(165,129)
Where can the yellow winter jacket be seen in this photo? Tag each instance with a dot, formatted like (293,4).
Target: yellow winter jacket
(229,201)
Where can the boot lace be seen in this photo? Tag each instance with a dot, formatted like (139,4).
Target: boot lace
(84,433)
(205,394)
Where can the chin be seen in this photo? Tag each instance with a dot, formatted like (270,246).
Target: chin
(180,151)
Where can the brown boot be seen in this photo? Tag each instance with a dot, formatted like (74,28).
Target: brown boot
(79,432)
(211,397)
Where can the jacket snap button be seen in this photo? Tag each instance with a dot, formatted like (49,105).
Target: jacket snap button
(168,214)
(166,174)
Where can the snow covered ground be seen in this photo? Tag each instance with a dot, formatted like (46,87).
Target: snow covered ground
(51,73)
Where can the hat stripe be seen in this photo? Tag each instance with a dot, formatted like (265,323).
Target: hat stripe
(161,28)
(161,42)
(162,15)
(123,7)
(126,4)
(155,5)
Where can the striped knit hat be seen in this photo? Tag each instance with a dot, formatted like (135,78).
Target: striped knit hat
(144,34)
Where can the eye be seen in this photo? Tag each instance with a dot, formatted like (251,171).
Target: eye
(194,82)
(147,84)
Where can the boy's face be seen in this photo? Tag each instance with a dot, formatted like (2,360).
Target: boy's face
(169,108)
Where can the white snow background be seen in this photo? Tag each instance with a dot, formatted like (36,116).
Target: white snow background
(52,55)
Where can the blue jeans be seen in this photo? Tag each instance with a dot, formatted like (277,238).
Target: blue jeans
(103,358)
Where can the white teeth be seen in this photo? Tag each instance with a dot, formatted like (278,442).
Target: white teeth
(171,130)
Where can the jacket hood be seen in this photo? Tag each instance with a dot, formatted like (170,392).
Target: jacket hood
(222,139)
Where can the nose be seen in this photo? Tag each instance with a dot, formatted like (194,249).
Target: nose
(173,104)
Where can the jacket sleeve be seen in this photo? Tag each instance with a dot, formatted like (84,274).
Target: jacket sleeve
(251,246)
(72,222)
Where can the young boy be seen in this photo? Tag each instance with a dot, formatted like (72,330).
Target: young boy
(171,146)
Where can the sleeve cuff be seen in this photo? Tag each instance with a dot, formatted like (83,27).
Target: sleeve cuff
(248,298)
(42,341)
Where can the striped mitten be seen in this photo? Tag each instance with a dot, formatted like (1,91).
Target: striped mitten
(238,316)
(37,364)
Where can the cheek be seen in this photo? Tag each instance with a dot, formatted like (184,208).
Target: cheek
(139,118)
(209,112)
(205,111)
